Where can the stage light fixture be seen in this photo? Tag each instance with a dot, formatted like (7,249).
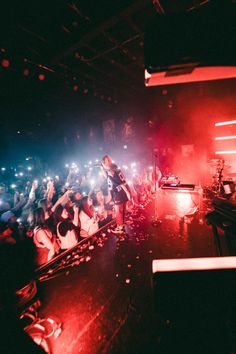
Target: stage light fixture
(229,122)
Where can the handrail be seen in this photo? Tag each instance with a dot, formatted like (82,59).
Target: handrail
(73,249)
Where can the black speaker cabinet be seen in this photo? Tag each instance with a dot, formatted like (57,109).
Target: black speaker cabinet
(195,288)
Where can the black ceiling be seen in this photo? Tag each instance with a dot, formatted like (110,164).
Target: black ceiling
(84,47)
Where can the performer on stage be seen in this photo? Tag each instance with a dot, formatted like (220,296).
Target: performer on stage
(119,189)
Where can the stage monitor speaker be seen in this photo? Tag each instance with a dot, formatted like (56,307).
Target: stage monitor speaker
(191,46)
(195,288)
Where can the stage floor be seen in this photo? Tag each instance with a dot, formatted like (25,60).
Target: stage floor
(106,304)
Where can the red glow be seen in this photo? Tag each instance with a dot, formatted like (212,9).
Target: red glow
(75,87)
(5,63)
(26,72)
(225,137)
(41,77)
(229,122)
(184,201)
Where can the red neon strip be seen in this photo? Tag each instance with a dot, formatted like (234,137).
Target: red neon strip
(225,137)
(185,264)
(226,152)
(225,123)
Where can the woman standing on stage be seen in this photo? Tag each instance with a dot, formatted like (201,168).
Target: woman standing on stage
(119,189)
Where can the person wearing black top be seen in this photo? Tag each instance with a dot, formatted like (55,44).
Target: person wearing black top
(119,189)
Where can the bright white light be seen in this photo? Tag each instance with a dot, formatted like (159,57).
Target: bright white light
(133,164)
(229,122)
(92,182)
(113,161)
(73,165)
(184,264)
(226,152)
(35,181)
(125,167)
(27,159)
(96,160)
(90,162)
(129,182)
(13,186)
(29,168)
(21,174)
(57,177)
(100,173)
(90,168)
(125,147)
(44,180)
(48,178)
(77,181)
(85,166)
(67,184)
(16,174)
(225,137)
(1,202)
(18,220)
(3,168)
(66,165)
(83,193)
(150,168)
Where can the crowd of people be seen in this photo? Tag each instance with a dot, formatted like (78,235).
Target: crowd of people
(55,213)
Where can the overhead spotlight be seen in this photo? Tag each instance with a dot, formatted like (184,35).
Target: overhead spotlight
(26,72)
(5,63)
(41,77)
(125,147)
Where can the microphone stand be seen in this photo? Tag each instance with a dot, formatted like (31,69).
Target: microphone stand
(156,221)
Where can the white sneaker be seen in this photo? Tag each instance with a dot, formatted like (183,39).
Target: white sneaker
(119,230)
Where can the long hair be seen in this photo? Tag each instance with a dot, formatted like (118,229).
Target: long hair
(57,214)
(39,218)
(85,207)
(43,203)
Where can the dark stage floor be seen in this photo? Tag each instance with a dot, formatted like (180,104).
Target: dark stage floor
(106,305)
